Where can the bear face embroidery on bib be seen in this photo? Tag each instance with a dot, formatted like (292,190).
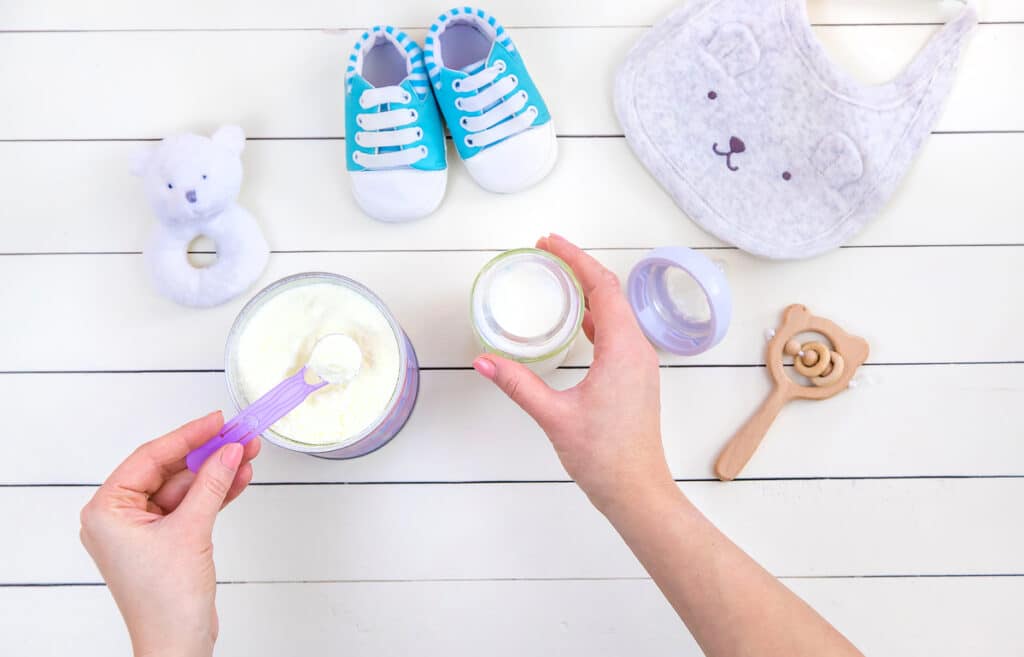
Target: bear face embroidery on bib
(736,109)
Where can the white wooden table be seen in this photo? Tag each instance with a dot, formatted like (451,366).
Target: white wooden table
(894,509)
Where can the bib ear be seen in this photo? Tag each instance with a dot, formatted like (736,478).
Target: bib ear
(735,48)
(838,160)
(230,137)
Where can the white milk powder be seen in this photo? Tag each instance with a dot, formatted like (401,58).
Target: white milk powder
(278,340)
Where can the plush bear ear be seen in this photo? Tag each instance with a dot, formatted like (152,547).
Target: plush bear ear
(140,160)
(735,48)
(230,137)
(838,160)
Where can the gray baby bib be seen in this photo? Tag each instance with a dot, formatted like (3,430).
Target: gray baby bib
(737,110)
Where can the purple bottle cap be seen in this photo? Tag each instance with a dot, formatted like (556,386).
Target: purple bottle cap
(681,299)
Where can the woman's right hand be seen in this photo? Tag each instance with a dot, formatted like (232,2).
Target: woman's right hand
(607,432)
(607,429)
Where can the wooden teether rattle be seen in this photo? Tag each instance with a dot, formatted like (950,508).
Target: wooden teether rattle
(829,370)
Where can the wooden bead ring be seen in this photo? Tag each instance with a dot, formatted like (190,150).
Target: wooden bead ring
(838,365)
(813,367)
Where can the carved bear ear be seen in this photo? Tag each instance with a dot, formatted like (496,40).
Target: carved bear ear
(230,137)
(735,48)
(140,160)
(796,313)
(838,160)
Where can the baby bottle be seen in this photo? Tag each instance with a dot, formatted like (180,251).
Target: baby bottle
(526,305)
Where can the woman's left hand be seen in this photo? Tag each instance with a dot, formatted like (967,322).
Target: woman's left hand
(149,529)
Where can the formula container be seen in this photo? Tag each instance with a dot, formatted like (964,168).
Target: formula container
(526,305)
(272,338)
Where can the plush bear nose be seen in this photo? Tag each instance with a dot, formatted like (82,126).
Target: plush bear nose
(190,196)
(736,145)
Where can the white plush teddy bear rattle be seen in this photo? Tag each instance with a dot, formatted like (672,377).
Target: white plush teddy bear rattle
(192,183)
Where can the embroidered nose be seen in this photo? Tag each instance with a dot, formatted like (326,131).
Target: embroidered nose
(736,145)
(190,196)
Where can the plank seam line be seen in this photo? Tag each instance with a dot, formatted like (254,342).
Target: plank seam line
(45,254)
(580,135)
(360,28)
(669,366)
(513,580)
(532,482)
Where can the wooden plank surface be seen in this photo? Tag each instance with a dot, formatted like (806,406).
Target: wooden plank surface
(288,84)
(927,456)
(97,312)
(911,617)
(300,194)
(887,426)
(550,530)
(237,14)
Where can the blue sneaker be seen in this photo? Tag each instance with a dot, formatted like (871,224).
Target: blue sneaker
(498,120)
(394,139)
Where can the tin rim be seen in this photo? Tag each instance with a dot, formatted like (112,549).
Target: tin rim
(269,292)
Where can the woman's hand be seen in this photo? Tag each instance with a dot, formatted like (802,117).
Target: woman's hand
(606,430)
(149,527)
(607,433)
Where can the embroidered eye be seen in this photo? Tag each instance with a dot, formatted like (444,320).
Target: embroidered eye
(204,176)
(170,186)
(712,95)
(786,175)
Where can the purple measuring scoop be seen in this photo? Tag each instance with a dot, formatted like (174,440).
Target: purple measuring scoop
(258,417)
(286,396)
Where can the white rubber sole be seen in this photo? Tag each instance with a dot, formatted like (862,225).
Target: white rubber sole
(398,194)
(518,163)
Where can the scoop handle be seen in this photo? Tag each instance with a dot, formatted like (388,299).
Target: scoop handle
(257,418)
(744,442)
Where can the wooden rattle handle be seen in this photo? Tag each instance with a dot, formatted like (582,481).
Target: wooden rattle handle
(744,442)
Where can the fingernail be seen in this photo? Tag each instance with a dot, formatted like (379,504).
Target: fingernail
(231,455)
(485,367)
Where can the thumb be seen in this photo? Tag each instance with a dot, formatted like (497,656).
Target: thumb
(206,495)
(522,386)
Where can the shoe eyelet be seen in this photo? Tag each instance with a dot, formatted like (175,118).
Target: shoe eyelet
(457,85)
(469,141)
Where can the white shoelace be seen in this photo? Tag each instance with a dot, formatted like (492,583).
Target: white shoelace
(492,126)
(384,130)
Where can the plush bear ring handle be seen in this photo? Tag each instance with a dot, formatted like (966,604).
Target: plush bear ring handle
(192,183)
